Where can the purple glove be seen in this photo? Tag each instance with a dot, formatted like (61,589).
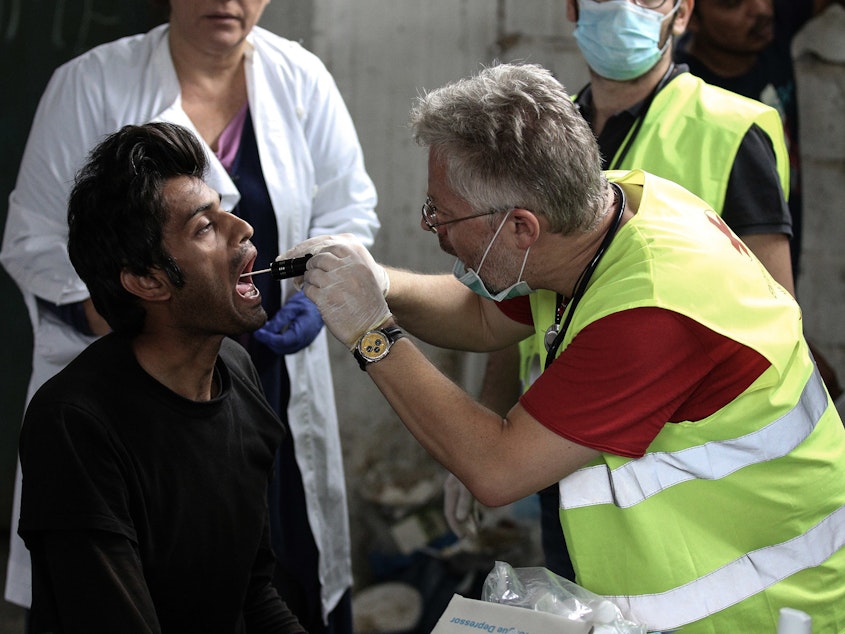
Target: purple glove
(293,328)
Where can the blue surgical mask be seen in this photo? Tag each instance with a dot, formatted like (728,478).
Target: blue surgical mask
(471,280)
(620,40)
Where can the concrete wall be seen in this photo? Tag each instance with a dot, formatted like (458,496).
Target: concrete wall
(819,52)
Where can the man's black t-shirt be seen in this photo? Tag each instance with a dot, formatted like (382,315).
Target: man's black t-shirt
(143,510)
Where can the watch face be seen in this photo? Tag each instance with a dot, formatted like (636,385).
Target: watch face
(374,345)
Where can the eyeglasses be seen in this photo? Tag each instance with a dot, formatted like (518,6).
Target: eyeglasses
(651,4)
(429,216)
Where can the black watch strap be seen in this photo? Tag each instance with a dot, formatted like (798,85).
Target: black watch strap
(374,345)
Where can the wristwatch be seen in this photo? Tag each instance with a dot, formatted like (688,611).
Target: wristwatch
(375,344)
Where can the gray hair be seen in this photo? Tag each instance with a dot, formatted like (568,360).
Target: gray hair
(510,136)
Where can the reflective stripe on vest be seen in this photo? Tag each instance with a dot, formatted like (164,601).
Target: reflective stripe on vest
(639,479)
(656,531)
(736,581)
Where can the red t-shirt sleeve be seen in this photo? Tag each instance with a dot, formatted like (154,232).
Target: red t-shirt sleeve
(625,376)
(518,309)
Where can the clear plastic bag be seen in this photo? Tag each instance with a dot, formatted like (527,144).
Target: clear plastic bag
(541,590)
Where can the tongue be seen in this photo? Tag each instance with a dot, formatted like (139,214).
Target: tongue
(245,288)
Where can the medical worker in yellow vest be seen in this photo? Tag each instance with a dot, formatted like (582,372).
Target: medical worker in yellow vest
(649,113)
(699,458)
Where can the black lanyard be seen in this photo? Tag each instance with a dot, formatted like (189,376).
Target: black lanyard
(555,333)
(642,112)
(638,123)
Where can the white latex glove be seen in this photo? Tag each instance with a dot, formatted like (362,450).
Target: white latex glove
(341,279)
(459,508)
(321,243)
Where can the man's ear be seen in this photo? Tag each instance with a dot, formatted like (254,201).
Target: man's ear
(152,287)
(527,227)
(572,11)
(683,18)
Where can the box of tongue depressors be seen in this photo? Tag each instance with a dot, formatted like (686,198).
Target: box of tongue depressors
(468,616)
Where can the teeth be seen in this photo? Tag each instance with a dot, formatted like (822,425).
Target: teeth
(252,292)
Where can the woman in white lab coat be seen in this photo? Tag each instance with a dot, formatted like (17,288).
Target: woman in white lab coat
(273,114)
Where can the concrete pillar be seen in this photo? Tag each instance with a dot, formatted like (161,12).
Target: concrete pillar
(819,54)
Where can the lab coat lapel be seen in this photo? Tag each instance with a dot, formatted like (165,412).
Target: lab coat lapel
(217,178)
(266,103)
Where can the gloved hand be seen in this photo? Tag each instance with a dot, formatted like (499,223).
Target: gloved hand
(343,280)
(296,324)
(459,508)
(322,243)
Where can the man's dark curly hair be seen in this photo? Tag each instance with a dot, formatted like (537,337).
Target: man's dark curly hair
(116,214)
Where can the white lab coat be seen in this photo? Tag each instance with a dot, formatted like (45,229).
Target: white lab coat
(314,169)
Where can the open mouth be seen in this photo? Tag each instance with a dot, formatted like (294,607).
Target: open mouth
(245,287)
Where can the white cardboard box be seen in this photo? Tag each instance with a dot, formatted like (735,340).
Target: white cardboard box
(468,616)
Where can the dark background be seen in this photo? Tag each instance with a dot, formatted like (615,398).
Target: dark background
(36,36)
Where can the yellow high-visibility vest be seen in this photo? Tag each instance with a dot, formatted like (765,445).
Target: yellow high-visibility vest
(692,132)
(724,520)
(690,135)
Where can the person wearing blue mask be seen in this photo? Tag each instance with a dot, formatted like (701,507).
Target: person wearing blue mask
(697,454)
(649,113)
(622,40)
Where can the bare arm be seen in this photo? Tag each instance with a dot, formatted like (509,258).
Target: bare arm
(500,460)
(500,387)
(755,206)
(772,249)
(441,311)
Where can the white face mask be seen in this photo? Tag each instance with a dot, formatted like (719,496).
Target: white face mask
(471,280)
